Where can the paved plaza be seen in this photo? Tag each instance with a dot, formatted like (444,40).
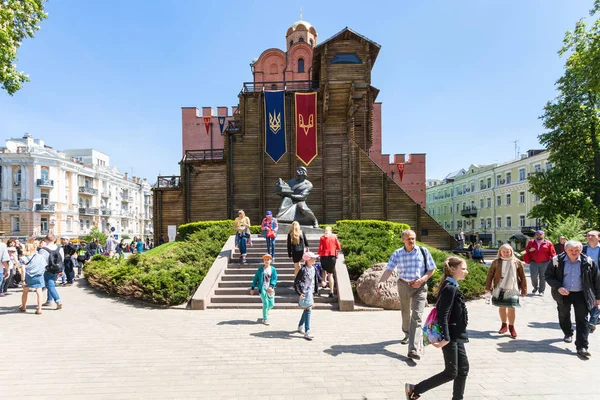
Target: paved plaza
(101,348)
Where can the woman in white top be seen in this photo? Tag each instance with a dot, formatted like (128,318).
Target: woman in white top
(33,267)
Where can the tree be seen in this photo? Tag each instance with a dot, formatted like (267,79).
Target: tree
(19,19)
(95,233)
(572,185)
(571,227)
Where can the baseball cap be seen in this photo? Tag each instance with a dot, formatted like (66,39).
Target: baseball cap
(308,255)
(269,213)
(539,232)
(267,256)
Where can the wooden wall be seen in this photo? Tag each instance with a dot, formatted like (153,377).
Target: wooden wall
(205,188)
(168,209)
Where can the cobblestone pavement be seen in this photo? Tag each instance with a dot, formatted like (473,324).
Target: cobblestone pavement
(100,348)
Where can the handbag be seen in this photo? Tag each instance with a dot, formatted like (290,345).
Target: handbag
(271,234)
(305,302)
(432,331)
(246,233)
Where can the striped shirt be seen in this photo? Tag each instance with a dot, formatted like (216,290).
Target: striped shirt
(411,265)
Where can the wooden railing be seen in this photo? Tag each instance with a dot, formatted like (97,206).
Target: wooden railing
(172,182)
(204,154)
(292,86)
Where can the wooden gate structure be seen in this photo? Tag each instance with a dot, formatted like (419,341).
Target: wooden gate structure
(215,184)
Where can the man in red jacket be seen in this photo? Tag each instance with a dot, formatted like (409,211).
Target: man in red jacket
(538,253)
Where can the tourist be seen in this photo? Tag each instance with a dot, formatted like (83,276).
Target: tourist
(241,225)
(140,246)
(269,228)
(328,248)
(592,250)
(506,277)
(296,245)
(133,245)
(265,280)
(560,246)
(111,245)
(460,237)
(12,265)
(452,317)
(33,267)
(305,285)
(70,260)
(415,266)
(4,259)
(53,257)
(538,253)
(83,255)
(478,254)
(121,248)
(575,281)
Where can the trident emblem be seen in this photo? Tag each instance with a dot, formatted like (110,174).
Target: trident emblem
(306,127)
(275,122)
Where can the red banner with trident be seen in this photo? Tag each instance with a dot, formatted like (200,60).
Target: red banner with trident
(400,171)
(207,121)
(306,126)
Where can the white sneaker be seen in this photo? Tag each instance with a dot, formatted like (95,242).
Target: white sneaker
(265,322)
(308,335)
(300,329)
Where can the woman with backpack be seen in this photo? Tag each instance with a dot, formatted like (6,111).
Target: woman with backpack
(33,267)
(296,244)
(305,285)
(53,256)
(452,318)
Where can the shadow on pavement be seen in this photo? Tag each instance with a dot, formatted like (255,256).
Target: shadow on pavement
(484,334)
(277,335)
(238,322)
(370,349)
(532,346)
(84,285)
(10,309)
(544,325)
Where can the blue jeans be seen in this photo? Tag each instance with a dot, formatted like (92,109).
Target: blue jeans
(242,244)
(594,316)
(271,246)
(50,280)
(305,320)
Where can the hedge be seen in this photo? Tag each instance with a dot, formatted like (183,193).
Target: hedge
(369,242)
(165,275)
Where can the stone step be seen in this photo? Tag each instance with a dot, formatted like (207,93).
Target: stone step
(259,261)
(238,284)
(242,271)
(238,291)
(247,298)
(248,278)
(278,306)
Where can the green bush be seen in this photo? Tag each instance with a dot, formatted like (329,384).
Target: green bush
(366,243)
(95,233)
(166,275)
(186,230)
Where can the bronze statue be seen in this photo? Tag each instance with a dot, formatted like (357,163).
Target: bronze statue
(293,203)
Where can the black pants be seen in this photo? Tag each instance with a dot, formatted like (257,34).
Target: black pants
(457,369)
(69,270)
(577,299)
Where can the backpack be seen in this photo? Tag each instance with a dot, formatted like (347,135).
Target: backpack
(54,261)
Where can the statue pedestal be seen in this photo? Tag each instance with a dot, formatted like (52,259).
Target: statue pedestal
(284,228)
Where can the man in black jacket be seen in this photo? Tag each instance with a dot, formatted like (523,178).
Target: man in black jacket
(575,281)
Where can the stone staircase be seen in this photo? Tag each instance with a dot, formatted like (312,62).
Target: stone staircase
(233,287)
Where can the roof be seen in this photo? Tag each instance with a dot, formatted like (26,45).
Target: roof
(305,23)
(348,33)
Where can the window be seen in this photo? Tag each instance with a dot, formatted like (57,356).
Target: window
(81,224)
(451,192)
(481,223)
(80,202)
(521,221)
(537,167)
(464,205)
(488,223)
(507,178)
(498,222)
(45,199)
(508,199)
(464,188)
(300,65)
(18,199)
(480,203)
(489,202)
(472,186)
(456,207)
(44,224)
(69,224)
(498,179)
(18,176)
(438,209)
(498,200)
(16,224)
(311,42)
(521,174)
(548,166)
(535,198)
(291,43)
(346,58)
(87,223)
(445,209)
(45,174)
(301,40)
(521,197)
(508,222)
(87,203)
(480,184)
(451,224)
(489,182)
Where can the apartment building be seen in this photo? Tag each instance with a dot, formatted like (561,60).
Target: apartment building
(68,193)
(490,202)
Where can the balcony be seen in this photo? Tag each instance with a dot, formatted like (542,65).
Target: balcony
(106,212)
(47,183)
(171,182)
(17,183)
(89,211)
(45,207)
(106,195)
(203,155)
(126,198)
(469,211)
(290,86)
(88,190)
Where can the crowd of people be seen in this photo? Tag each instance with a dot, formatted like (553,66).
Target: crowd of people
(44,264)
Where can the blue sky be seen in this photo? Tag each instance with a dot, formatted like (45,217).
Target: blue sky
(460,80)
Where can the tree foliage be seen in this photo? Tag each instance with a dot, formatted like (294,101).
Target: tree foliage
(19,19)
(95,233)
(572,185)
(572,227)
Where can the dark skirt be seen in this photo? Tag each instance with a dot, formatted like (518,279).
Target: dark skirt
(328,263)
(297,255)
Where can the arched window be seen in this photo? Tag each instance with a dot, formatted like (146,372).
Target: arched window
(291,43)
(311,42)
(300,65)
(45,174)
(301,40)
